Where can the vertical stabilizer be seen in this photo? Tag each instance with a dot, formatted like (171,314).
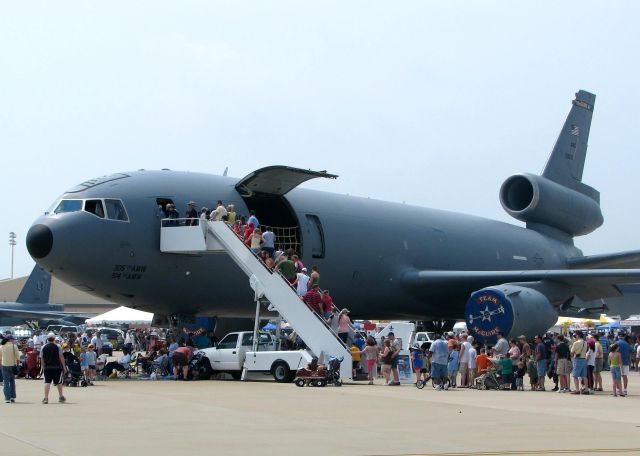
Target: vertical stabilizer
(566,163)
(36,289)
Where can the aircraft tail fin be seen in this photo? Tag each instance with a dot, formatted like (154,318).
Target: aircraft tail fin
(37,287)
(566,163)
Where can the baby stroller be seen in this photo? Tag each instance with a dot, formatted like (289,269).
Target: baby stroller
(320,377)
(199,367)
(489,380)
(74,375)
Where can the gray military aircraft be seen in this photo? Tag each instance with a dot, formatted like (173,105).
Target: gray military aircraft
(33,304)
(103,237)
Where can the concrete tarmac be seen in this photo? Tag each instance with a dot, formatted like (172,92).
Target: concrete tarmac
(261,417)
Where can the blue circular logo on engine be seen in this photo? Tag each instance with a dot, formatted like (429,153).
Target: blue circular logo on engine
(487,313)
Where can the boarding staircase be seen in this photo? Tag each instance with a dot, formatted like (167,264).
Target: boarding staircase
(319,337)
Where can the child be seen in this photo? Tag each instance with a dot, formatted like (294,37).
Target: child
(84,363)
(453,365)
(91,361)
(483,362)
(473,365)
(532,370)
(355,359)
(615,362)
(520,371)
(506,370)
(417,362)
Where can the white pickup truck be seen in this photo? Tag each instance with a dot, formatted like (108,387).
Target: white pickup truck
(235,352)
(424,337)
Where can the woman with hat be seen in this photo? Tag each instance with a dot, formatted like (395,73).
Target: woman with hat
(9,359)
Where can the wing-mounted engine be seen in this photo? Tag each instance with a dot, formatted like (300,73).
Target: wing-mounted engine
(537,200)
(511,309)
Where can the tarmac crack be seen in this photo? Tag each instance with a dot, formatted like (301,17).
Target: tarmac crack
(31,444)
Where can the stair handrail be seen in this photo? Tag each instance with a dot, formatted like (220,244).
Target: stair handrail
(272,271)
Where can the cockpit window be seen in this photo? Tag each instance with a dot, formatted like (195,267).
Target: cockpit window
(68,206)
(115,210)
(94,207)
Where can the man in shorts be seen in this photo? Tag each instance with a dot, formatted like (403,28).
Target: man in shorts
(625,353)
(597,375)
(563,364)
(180,360)
(578,353)
(439,355)
(54,368)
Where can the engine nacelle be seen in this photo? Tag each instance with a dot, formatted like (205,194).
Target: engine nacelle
(510,309)
(535,199)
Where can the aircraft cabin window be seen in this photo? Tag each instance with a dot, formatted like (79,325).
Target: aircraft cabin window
(68,206)
(94,207)
(115,210)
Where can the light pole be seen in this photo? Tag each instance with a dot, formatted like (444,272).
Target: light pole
(12,243)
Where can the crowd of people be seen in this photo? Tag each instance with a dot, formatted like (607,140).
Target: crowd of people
(456,361)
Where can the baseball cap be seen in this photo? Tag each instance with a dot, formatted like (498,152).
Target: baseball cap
(51,335)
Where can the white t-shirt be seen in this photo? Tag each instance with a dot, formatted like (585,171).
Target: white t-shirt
(218,213)
(303,281)
(473,354)
(464,358)
(97,342)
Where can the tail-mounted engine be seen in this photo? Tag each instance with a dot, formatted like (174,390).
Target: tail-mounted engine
(540,201)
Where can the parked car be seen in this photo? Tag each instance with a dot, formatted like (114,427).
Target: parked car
(69,329)
(115,336)
(54,329)
(107,346)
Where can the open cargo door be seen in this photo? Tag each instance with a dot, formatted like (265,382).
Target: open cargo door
(276,180)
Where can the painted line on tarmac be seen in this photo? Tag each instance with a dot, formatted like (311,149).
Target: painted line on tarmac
(530,452)
(31,444)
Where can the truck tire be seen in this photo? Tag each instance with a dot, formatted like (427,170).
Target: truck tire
(205,371)
(281,372)
(237,375)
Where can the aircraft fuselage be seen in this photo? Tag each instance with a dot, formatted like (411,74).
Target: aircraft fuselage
(362,248)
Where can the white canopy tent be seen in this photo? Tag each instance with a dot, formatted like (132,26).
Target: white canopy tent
(122,315)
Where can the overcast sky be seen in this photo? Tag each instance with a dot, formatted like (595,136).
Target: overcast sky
(431,103)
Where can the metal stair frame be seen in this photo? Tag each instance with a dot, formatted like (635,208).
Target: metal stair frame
(315,332)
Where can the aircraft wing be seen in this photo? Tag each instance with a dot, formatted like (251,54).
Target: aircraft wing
(37,315)
(630,259)
(587,284)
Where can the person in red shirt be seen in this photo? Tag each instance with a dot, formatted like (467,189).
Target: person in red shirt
(313,300)
(248,231)
(483,362)
(180,359)
(327,305)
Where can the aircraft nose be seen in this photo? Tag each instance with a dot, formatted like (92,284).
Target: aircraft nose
(39,241)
